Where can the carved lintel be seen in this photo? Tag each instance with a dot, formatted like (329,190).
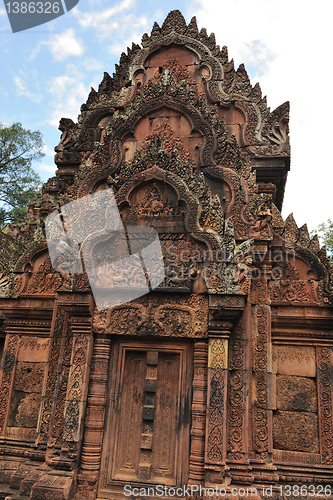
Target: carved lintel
(73,299)
(224,311)
(157,315)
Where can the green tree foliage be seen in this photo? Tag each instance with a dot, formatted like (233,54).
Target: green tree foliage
(19,183)
(325,234)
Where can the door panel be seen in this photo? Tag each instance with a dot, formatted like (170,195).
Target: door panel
(146,438)
(127,442)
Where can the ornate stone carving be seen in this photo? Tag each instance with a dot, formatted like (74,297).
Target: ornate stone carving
(218,353)
(235,417)
(324,364)
(154,315)
(5,283)
(53,487)
(10,352)
(199,402)
(260,403)
(56,335)
(291,287)
(216,418)
(94,422)
(74,397)
(262,211)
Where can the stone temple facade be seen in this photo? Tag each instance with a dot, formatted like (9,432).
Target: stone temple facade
(221,377)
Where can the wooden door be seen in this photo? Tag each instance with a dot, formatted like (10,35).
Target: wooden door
(146,438)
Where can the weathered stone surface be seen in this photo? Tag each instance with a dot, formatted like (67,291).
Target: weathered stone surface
(296,393)
(296,431)
(295,360)
(33,349)
(29,376)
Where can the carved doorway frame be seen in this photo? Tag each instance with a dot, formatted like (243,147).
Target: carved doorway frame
(110,486)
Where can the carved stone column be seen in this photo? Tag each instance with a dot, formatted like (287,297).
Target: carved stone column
(223,314)
(197,453)
(216,429)
(262,390)
(94,424)
(325,389)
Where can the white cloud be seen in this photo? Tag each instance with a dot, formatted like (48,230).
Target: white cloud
(44,167)
(22,89)
(62,45)
(2,12)
(91,64)
(68,92)
(48,151)
(4,92)
(66,45)
(96,19)
(114,23)
(141,24)
(69,106)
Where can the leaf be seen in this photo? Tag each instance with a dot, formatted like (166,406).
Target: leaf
(19,183)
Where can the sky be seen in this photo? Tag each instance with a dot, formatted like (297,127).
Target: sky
(47,73)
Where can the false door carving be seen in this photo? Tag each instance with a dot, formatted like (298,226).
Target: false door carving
(146,438)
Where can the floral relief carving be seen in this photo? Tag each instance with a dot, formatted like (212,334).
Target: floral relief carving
(260,403)
(166,317)
(324,363)
(216,417)
(8,369)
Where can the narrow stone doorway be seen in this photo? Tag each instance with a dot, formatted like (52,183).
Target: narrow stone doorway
(146,437)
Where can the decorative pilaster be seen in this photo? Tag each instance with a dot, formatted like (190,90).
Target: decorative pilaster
(57,327)
(199,402)
(216,428)
(262,388)
(324,360)
(224,429)
(238,401)
(58,376)
(6,377)
(260,397)
(94,423)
